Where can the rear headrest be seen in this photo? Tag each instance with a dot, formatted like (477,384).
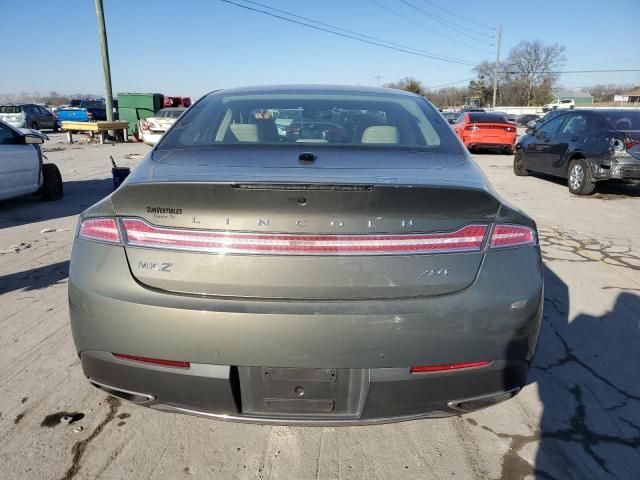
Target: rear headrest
(380,134)
(623,124)
(244,132)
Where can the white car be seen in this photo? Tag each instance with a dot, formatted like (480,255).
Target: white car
(22,170)
(560,104)
(152,128)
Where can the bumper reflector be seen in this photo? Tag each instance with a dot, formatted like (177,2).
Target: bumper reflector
(444,368)
(154,361)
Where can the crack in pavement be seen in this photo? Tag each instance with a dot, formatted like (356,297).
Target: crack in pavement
(570,356)
(586,250)
(80,447)
(514,466)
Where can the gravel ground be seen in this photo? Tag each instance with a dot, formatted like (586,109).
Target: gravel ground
(579,416)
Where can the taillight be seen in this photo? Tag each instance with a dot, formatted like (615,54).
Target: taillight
(510,129)
(472,128)
(445,368)
(631,142)
(100,229)
(89,115)
(512,236)
(154,361)
(141,234)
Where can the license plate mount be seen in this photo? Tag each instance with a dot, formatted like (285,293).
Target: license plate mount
(302,392)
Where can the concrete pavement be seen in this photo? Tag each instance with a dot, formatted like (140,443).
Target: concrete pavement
(579,416)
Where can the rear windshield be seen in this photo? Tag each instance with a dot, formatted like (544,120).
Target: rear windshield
(488,118)
(375,120)
(623,120)
(10,109)
(168,113)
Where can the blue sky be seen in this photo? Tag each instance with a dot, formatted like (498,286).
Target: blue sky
(194,46)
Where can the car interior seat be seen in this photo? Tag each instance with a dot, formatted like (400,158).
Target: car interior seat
(380,134)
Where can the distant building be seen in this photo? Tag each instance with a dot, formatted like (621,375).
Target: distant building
(634,95)
(581,98)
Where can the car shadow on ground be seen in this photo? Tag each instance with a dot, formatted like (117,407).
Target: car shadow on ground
(609,190)
(78,195)
(36,278)
(490,151)
(586,374)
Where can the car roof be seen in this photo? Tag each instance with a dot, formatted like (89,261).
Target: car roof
(314,89)
(613,110)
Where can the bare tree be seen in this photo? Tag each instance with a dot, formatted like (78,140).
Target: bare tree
(409,84)
(448,97)
(605,93)
(531,66)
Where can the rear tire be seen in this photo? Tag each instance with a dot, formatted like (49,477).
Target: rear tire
(52,188)
(519,165)
(34,126)
(55,127)
(579,178)
(507,150)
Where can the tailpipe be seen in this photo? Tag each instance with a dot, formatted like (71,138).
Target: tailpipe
(476,403)
(128,395)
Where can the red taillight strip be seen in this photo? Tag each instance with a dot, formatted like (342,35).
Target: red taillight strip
(629,143)
(155,361)
(100,229)
(444,368)
(141,234)
(512,236)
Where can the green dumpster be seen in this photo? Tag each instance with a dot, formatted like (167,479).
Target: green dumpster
(137,106)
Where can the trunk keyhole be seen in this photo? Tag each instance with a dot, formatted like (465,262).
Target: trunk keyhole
(307,157)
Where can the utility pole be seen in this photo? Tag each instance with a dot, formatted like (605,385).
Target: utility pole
(377,77)
(495,67)
(104,51)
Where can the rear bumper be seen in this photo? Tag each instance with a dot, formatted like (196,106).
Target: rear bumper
(17,123)
(495,319)
(151,138)
(388,394)
(480,141)
(619,168)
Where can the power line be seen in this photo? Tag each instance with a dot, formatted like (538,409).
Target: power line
(574,71)
(443,22)
(351,31)
(421,25)
(450,84)
(457,15)
(458,25)
(386,45)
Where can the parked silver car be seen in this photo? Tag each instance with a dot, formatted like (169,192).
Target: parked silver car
(28,115)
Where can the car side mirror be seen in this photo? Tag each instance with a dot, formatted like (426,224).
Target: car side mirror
(30,139)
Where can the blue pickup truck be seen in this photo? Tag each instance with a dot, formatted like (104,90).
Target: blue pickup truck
(87,111)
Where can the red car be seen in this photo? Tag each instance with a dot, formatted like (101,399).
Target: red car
(486,130)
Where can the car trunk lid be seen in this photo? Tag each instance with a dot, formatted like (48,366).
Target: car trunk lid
(273,235)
